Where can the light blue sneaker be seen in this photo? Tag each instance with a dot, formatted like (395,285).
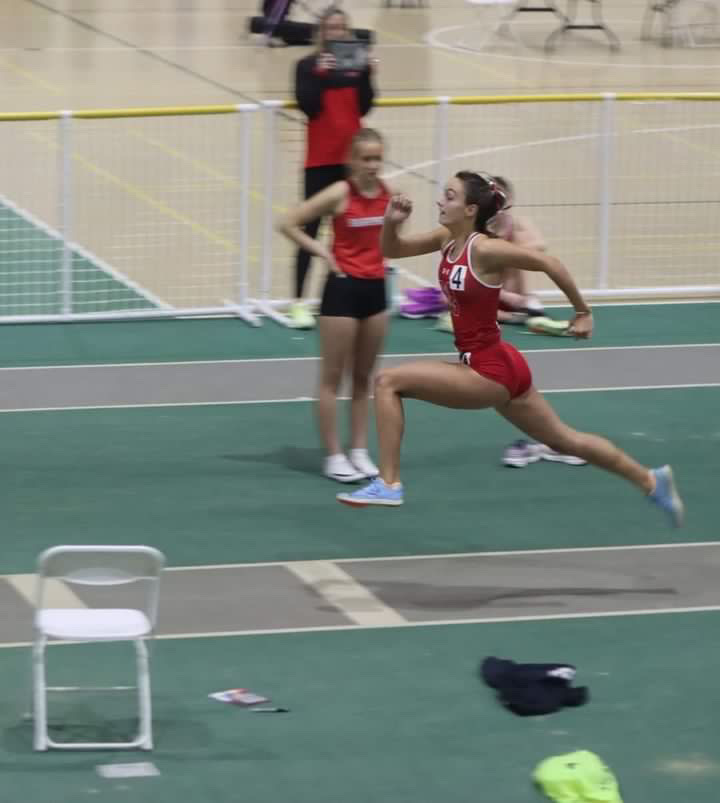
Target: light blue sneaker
(376,493)
(665,495)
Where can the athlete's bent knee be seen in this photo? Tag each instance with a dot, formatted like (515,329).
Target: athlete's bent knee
(386,382)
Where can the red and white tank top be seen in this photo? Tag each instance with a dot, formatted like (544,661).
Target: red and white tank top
(473,303)
(356,234)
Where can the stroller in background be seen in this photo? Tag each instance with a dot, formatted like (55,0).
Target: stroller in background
(274,24)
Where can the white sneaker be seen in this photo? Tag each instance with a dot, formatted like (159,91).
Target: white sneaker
(338,467)
(556,457)
(362,462)
(521,453)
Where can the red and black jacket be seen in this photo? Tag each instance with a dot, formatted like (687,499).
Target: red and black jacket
(335,103)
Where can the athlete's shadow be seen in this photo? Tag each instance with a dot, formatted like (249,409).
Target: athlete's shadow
(438,597)
(306,460)
(401,594)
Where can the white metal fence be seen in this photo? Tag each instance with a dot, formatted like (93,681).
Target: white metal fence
(158,212)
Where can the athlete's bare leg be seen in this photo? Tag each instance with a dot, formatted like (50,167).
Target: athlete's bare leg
(446,384)
(532,414)
(368,341)
(514,295)
(337,339)
(515,282)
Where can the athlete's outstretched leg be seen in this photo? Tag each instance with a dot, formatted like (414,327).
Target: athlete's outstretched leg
(532,414)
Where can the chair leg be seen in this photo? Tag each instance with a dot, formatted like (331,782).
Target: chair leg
(40,734)
(492,28)
(503,26)
(144,696)
(27,714)
(647,22)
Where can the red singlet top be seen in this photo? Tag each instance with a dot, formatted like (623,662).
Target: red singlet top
(473,304)
(356,234)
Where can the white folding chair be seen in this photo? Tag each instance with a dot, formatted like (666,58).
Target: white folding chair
(96,566)
(492,20)
(686,27)
(679,21)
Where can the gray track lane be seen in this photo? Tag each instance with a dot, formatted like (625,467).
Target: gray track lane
(232,599)
(250,599)
(287,379)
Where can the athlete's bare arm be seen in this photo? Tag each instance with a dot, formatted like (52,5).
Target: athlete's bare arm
(329,201)
(394,245)
(493,256)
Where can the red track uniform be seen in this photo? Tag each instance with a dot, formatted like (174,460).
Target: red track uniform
(473,306)
(356,235)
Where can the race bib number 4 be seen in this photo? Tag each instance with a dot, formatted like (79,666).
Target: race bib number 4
(457,278)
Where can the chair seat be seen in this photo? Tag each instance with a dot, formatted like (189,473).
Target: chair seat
(92,625)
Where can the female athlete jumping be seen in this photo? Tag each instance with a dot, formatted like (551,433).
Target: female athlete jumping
(490,372)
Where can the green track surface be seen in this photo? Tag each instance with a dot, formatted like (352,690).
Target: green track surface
(388,716)
(227,339)
(393,716)
(242,483)
(31,271)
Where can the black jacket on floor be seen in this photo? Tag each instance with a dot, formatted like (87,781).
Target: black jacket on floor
(533,689)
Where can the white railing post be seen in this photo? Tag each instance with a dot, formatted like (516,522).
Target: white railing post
(605,160)
(265,303)
(440,147)
(269,142)
(245,171)
(65,164)
(245,176)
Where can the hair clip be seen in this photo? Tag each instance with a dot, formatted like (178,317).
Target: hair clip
(495,189)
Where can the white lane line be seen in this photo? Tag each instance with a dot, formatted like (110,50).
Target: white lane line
(488,620)
(84,366)
(459,555)
(389,355)
(431,556)
(645,303)
(137,769)
(57,593)
(485,620)
(182,48)
(121,406)
(236,402)
(343,592)
(625,348)
(432,39)
(632,387)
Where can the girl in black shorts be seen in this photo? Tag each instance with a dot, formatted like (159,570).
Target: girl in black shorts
(353,313)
